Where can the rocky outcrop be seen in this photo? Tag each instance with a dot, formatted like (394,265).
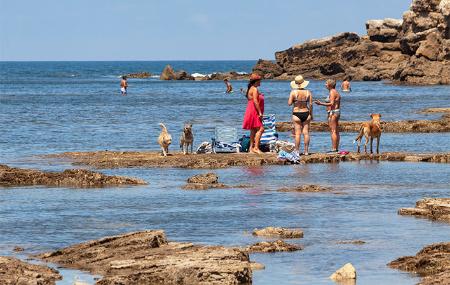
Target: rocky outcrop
(16,272)
(273,246)
(118,159)
(231,75)
(413,50)
(268,69)
(408,126)
(431,208)
(169,73)
(204,182)
(139,75)
(432,263)
(306,188)
(10,176)
(346,272)
(278,232)
(148,258)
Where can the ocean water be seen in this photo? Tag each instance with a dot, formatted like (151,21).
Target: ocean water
(52,107)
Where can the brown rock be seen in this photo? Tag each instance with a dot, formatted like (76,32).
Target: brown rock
(183,75)
(139,75)
(148,258)
(357,242)
(432,263)
(431,208)
(18,249)
(231,75)
(306,188)
(257,266)
(10,176)
(268,69)
(430,47)
(278,232)
(436,110)
(16,272)
(344,273)
(168,73)
(204,182)
(386,30)
(273,246)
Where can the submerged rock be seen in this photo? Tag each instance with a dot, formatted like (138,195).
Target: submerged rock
(16,272)
(356,242)
(306,188)
(431,208)
(278,232)
(346,272)
(139,75)
(10,176)
(203,182)
(148,258)
(273,246)
(432,263)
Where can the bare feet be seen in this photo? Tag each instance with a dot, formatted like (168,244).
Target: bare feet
(255,150)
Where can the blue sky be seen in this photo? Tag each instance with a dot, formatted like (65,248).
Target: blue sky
(171,30)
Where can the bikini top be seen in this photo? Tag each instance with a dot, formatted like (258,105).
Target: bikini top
(306,100)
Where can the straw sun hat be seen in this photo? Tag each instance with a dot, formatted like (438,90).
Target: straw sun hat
(299,82)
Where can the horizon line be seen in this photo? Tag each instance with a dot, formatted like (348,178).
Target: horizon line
(124,60)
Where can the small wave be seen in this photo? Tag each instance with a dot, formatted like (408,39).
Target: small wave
(198,75)
(241,72)
(155,76)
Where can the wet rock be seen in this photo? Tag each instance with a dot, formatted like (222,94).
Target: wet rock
(112,159)
(16,272)
(183,75)
(431,208)
(344,273)
(139,75)
(432,263)
(414,50)
(273,246)
(267,69)
(10,176)
(278,232)
(231,75)
(168,73)
(257,266)
(148,258)
(18,249)
(203,182)
(306,188)
(436,110)
(356,242)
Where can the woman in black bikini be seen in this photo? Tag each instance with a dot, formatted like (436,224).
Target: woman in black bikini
(302,113)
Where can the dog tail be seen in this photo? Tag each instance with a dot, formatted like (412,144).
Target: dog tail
(163,126)
(361,133)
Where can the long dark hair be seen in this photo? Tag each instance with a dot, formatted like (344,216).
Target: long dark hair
(250,84)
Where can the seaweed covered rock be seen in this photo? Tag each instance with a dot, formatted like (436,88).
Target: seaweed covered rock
(16,272)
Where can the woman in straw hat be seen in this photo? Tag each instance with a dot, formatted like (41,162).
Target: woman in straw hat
(254,113)
(302,113)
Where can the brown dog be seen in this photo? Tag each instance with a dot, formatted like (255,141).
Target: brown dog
(187,138)
(164,139)
(370,130)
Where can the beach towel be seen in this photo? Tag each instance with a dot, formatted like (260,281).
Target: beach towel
(293,157)
(270,135)
(225,140)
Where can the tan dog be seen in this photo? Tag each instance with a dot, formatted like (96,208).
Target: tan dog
(187,138)
(164,139)
(370,130)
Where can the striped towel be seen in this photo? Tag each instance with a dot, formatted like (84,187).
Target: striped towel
(270,134)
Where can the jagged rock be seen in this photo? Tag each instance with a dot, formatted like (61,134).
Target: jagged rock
(267,69)
(386,30)
(18,249)
(168,73)
(344,273)
(231,75)
(273,246)
(306,188)
(139,75)
(10,176)
(203,182)
(432,263)
(148,258)
(278,232)
(16,272)
(432,208)
(183,75)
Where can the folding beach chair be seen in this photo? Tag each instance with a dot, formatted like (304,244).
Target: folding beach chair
(225,140)
(270,136)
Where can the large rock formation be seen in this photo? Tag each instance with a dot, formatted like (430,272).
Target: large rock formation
(415,50)
(16,272)
(148,258)
(432,208)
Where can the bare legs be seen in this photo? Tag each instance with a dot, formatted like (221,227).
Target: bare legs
(301,128)
(255,138)
(334,130)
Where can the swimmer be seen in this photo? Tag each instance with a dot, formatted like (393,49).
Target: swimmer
(124,85)
(228,84)
(345,86)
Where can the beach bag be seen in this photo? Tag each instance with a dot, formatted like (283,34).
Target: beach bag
(245,143)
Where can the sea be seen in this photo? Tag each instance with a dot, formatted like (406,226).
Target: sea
(55,107)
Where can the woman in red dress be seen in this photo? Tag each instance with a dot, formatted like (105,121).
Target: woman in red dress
(254,113)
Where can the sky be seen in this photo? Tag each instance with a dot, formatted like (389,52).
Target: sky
(44,30)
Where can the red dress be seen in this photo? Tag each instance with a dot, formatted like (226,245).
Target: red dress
(251,118)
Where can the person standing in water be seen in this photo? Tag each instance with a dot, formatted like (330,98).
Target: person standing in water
(228,84)
(302,113)
(124,85)
(345,86)
(333,106)
(254,113)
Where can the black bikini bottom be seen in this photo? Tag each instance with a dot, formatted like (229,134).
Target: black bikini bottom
(303,116)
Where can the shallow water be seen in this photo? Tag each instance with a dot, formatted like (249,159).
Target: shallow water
(55,107)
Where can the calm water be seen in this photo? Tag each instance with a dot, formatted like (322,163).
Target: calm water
(55,107)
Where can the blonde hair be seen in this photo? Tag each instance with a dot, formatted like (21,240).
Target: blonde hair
(331,83)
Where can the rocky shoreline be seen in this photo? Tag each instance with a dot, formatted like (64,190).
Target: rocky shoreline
(10,176)
(409,126)
(412,50)
(432,263)
(147,257)
(16,272)
(436,209)
(116,159)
